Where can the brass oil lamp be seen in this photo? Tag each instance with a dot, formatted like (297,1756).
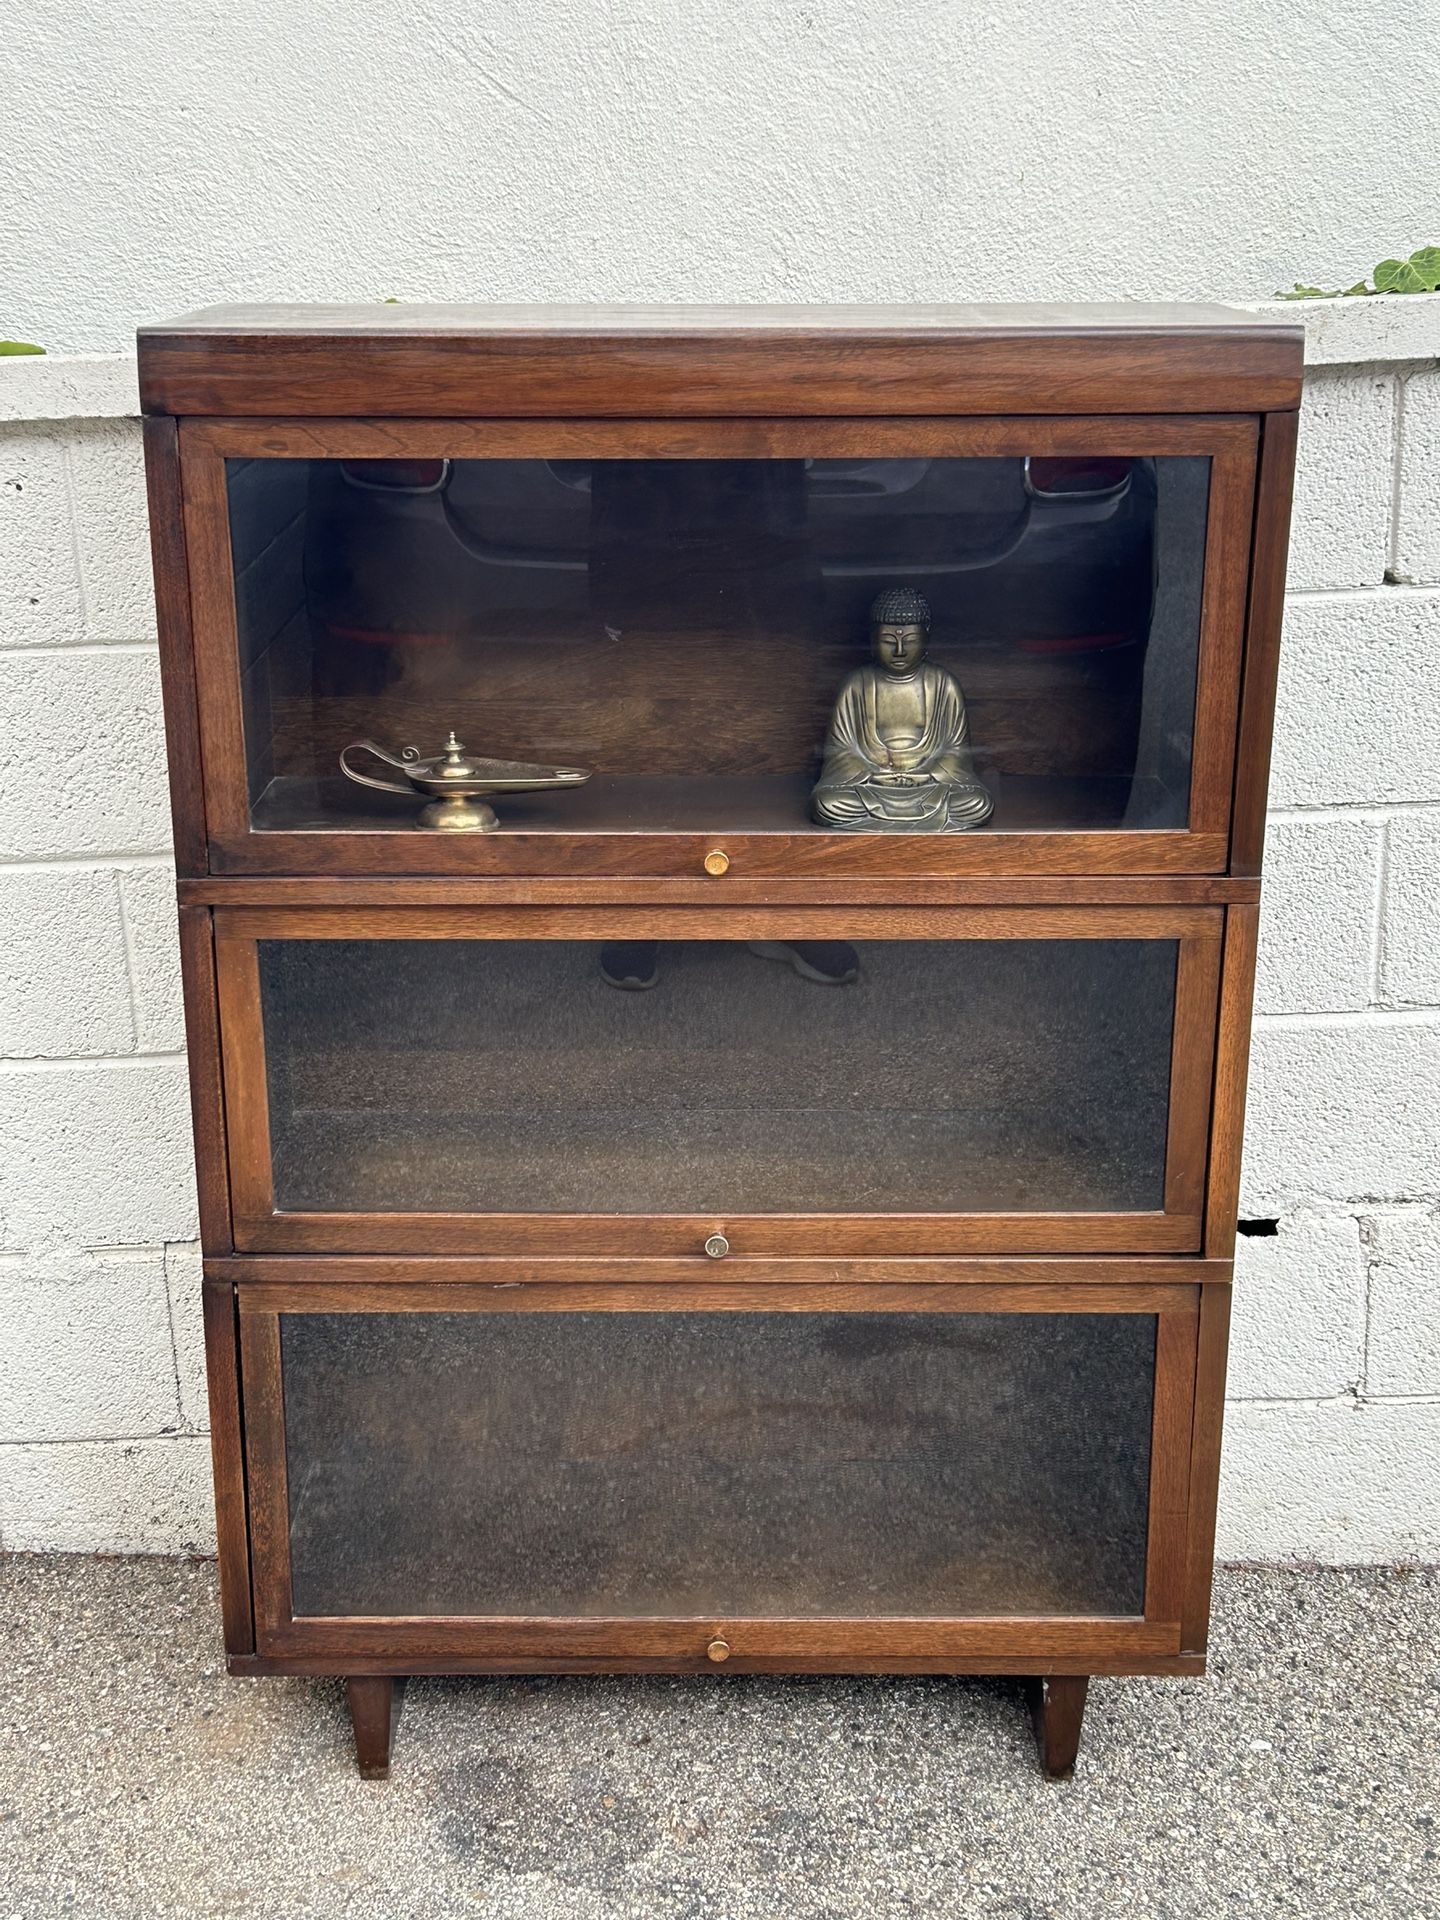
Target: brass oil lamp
(456,781)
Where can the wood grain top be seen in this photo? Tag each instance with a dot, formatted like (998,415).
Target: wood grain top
(496,362)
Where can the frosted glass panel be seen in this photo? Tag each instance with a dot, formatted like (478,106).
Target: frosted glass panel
(727,1463)
(879,1076)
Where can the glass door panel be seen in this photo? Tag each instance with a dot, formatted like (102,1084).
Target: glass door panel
(613,1464)
(685,627)
(718,1076)
(807,1081)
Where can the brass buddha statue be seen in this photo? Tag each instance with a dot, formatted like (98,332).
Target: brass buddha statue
(897,756)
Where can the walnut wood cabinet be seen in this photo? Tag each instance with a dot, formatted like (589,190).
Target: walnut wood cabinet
(855,1297)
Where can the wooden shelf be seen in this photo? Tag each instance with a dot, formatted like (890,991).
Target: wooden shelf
(668,803)
(694,1161)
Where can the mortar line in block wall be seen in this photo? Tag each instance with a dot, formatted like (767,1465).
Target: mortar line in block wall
(78,862)
(1348,1017)
(1364,1205)
(1370,1252)
(1397,463)
(141,1252)
(1351,1402)
(166,1435)
(127,939)
(1345,1397)
(1352,809)
(79,650)
(88,1063)
(1389,590)
(174,1347)
(72,529)
(1356,1208)
(1319,1207)
(1377,931)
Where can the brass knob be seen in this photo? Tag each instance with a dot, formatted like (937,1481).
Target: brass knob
(717,1651)
(717,862)
(717,1246)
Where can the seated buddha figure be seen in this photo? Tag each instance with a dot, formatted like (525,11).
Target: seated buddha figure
(897,756)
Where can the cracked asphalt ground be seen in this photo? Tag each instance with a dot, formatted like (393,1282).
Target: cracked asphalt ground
(136,1779)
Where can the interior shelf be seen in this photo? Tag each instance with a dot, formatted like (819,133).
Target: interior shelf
(809,1160)
(707,803)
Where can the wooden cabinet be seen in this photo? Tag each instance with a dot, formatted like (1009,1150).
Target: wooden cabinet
(665,1231)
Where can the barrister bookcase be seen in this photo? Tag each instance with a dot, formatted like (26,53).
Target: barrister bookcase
(667,1232)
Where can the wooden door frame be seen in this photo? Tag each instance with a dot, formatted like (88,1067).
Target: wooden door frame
(1015,1643)
(1176,1228)
(1229,441)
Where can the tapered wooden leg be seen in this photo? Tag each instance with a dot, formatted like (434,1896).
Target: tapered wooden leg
(1058,1703)
(374,1701)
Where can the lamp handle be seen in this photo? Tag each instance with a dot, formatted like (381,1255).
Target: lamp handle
(408,756)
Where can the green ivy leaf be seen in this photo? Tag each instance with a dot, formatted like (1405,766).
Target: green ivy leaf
(18,346)
(1398,276)
(1419,274)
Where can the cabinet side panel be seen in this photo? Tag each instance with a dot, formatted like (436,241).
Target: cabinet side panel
(1274,492)
(207,1094)
(227,1453)
(1232,1061)
(1205,1465)
(1232,1066)
(177,667)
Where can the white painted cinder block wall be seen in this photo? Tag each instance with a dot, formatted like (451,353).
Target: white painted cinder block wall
(163,154)
(1333,1436)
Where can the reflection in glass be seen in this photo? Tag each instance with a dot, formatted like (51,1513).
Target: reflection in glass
(884,1076)
(682,626)
(712,1464)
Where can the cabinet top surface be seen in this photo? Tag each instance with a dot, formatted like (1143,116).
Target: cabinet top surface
(575,362)
(429,321)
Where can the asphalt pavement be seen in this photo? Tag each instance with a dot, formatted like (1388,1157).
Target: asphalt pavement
(1301,1776)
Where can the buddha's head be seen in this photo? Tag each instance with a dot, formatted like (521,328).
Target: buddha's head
(899,629)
